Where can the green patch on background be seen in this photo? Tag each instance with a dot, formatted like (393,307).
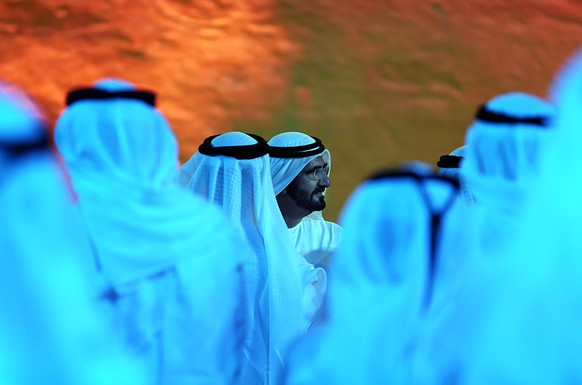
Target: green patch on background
(366,127)
(133,53)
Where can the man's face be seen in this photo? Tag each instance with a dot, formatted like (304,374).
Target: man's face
(306,190)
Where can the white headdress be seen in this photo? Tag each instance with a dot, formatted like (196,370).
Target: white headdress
(123,159)
(505,141)
(290,153)
(505,148)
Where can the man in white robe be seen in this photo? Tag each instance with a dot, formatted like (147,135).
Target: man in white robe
(284,291)
(300,168)
(51,330)
(169,261)
(492,333)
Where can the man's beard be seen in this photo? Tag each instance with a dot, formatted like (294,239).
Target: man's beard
(305,200)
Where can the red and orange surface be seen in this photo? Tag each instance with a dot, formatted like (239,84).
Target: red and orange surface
(378,80)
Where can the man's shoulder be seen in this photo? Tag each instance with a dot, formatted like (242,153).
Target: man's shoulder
(308,222)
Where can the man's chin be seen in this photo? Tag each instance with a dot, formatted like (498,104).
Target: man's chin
(318,203)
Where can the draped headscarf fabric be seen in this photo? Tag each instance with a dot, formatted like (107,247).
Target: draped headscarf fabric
(284,291)
(379,283)
(315,238)
(171,258)
(502,165)
(508,150)
(51,331)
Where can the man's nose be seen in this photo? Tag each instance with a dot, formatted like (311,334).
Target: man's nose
(324,181)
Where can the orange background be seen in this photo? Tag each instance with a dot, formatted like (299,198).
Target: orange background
(378,81)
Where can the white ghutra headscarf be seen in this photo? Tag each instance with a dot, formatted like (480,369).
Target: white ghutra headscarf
(50,331)
(232,171)
(506,145)
(170,257)
(285,169)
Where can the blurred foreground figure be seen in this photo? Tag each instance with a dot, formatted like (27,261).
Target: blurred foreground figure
(284,291)
(50,329)
(516,318)
(389,272)
(300,167)
(169,260)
